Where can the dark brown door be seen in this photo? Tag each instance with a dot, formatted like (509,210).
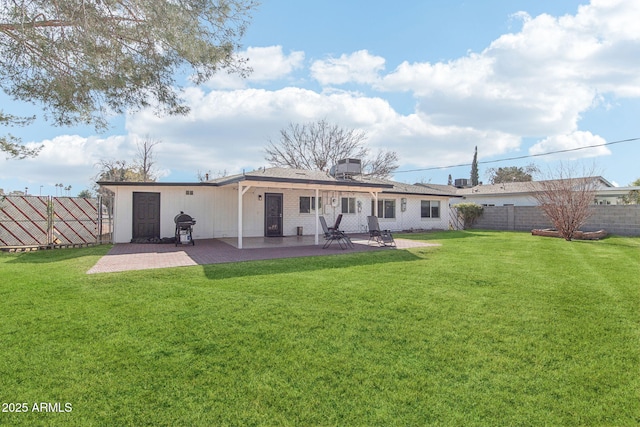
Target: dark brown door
(146,215)
(273,214)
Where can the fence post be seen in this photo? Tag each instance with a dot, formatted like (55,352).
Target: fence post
(50,224)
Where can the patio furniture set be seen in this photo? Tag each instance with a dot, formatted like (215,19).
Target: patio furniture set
(334,234)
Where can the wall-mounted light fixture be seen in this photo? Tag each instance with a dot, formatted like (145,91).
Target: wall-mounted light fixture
(259,197)
(403,204)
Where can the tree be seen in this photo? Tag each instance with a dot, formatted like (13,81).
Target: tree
(141,170)
(145,159)
(85,193)
(475,176)
(512,174)
(566,199)
(113,171)
(382,165)
(84,60)
(319,145)
(633,197)
(10,144)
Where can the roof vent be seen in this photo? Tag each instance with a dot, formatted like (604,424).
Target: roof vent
(347,168)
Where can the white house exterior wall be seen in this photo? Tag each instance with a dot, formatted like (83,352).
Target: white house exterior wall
(351,222)
(225,212)
(411,217)
(216,211)
(172,201)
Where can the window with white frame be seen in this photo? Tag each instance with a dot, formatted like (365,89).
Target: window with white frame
(386,208)
(348,205)
(430,209)
(308,204)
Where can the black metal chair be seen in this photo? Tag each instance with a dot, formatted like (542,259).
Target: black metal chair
(334,235)
(336,226)
(381,237)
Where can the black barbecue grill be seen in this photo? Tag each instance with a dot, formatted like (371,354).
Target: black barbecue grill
(184,228)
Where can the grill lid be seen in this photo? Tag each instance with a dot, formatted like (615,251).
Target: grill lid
(183,217)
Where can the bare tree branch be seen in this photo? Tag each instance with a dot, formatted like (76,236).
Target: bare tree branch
(566,199)
(319,145)
(145,159)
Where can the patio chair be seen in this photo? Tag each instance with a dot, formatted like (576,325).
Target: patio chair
(381,237)
(334,236)
(336,226)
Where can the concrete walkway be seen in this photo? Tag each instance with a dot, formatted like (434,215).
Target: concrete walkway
(142,256)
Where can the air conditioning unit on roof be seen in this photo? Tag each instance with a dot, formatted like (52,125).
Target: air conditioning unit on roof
(347,168)
(462,182)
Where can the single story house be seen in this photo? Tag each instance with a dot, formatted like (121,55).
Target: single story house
(274,202)
(521,193)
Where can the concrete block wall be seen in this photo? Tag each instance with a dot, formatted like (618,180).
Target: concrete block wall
(616,219)
(622,220)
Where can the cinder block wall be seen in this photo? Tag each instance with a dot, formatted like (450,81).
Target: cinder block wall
(623,220)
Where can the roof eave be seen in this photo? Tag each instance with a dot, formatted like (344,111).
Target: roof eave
(155,184)
(330,183)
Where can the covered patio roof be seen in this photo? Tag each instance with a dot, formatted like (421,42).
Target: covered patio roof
(296,179)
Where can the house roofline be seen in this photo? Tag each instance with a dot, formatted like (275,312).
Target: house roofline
(415,193)
(156,184)
(330,182)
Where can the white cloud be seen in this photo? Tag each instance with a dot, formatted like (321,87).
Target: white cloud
(535,82)
(268,64)
(571,146)
(228,130)
(67,159)
(358,67)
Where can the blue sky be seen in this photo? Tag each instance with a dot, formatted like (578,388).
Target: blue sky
(430,80)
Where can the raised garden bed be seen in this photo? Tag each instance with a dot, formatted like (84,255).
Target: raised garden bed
(578,235)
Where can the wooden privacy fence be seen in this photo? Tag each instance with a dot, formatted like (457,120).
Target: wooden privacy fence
(46,221)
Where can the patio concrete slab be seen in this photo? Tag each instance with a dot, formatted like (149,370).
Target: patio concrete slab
(142,256)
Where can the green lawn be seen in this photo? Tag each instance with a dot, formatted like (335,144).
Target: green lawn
(489,329)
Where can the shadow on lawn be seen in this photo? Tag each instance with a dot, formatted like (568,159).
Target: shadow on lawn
(309,264)
(56,255)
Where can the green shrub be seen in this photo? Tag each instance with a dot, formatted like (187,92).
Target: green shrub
(468,213)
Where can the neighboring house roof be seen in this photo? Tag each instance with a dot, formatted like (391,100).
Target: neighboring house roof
(513,188)
(416,189)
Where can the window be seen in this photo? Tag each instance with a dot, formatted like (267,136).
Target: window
(189,192)
(348,205)
(386,208)
(430,209)
(308,204)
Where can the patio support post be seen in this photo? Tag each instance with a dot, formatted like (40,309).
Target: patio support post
(317,215)
(241,191)
(375,203)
